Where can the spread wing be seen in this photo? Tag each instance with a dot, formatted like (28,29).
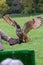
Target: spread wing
(13,23)
(10,21)
(32,24)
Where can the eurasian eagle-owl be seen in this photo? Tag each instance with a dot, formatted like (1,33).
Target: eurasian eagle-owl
(29,25)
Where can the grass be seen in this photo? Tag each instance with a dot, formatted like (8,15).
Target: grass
(36,42)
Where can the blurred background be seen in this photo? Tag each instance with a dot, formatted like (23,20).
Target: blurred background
(21,6)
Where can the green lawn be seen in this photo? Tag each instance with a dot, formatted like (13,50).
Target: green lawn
(36,42)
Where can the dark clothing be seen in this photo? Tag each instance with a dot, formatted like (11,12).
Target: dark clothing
(11,41)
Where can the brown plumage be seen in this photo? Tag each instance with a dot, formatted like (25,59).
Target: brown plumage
(29,25)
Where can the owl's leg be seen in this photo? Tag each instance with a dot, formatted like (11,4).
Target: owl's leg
(26,39)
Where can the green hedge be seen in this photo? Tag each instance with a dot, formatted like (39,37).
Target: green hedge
(26,56)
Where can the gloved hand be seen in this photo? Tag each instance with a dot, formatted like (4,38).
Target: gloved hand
(13,41)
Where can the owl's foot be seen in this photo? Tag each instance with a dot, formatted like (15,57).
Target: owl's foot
(26,40)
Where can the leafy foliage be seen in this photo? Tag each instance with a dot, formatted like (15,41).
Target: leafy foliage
(3,6)
(21,6)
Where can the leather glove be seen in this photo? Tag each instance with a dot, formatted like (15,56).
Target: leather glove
(13,41)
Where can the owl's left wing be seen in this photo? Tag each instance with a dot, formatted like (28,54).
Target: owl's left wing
(10,21)
(32,24)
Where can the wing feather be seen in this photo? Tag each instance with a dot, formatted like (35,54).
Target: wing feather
(13,23)
(10,21)
(32,24)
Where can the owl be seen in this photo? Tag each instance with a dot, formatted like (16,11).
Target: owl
(28,26)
